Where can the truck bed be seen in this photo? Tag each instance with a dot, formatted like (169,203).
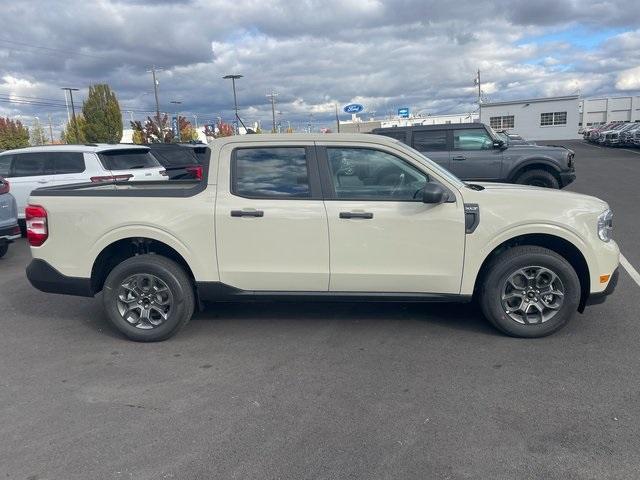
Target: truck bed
(175,188)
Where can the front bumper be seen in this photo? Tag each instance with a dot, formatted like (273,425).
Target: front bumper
(9,234)
(47,279)
(600,297)
(566,178)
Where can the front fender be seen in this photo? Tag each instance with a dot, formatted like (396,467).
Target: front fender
(520,165)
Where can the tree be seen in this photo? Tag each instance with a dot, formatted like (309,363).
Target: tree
(37,136)
(187,132)
(102,115)
(69,135)
(13,134)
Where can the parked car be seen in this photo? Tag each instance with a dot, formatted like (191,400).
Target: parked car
(473,151)
(605,134)
(180,160)
(627,136)
(34,167)
(9,229)
(317,216)
(594,135)
(612,138)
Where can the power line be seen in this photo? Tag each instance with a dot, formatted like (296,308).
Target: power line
(53,49)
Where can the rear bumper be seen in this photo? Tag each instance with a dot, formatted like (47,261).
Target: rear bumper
(9,234)
(566,178)
(47,279)
(600,297)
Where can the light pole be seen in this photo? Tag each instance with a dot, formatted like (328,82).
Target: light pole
(177,103)
(233,78)
(73,111)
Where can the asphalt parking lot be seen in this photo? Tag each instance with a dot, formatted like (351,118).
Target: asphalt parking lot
(327,391)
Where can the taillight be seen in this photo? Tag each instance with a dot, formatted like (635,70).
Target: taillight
(112,178)
(195,171)
(37,230)
(4,186)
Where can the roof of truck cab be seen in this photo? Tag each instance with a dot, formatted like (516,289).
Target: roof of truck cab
(437,126)
(304,137)
(90,147)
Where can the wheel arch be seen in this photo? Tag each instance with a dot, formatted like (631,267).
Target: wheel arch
(535,164)
(559,245)
(119,250)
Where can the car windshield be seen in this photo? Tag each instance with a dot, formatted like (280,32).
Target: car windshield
(503,136)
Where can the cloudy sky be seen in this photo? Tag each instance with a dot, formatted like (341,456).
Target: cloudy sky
(383,54)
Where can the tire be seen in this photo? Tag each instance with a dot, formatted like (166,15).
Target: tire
(517,259)
(4,248)
(538,178)
(172,291)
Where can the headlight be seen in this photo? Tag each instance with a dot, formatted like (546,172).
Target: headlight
(605,225)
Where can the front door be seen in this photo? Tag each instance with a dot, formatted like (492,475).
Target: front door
(474,156)
(382,237)
(271,224)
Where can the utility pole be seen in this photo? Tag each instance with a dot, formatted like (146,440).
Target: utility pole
(73,111)
(337,119)
(233,78)
(195,117)
(50,129)
(272,96)
(479,98)
(177,104)
(153,71)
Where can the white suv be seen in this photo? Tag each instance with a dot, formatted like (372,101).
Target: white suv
(35,167)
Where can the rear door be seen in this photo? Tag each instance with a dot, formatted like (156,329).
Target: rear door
(473,155)
(137,162)
(28,172)
(433,144)
(271,223)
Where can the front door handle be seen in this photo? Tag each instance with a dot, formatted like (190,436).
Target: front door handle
(247,213)
(364,215)
(459,158)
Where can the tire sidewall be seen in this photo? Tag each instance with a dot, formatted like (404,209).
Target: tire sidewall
(178,310)
(492,292)
(4,249)
(541,175)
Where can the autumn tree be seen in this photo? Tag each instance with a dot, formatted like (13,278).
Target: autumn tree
(74,131)
(13,134)
(103,119)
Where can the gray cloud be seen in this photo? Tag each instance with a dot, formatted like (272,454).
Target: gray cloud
(384,54)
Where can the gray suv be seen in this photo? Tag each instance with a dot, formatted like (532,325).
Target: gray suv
(473,151)
(9,230)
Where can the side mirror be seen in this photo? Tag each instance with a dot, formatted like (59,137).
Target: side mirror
(498,144)
(434,194)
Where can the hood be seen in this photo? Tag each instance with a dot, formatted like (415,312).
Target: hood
(529,193)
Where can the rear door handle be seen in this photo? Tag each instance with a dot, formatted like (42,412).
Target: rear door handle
(247,213)
(364,215)
(459,158)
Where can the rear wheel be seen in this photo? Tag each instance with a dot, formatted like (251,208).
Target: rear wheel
(538,178)
(3,249)
(529,291)
(148,298)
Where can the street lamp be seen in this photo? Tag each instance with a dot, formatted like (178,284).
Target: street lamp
(233,78)
(176,102)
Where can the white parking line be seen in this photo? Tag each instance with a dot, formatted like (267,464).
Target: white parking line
(633,273)
(631,151)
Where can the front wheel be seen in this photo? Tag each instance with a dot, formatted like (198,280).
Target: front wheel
(529,291)
(148,298)
(4,248)
(539,178)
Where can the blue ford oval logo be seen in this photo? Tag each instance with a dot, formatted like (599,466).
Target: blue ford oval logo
(353,108)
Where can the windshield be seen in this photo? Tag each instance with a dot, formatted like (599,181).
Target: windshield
(503,136)
(493,133)
(123,159)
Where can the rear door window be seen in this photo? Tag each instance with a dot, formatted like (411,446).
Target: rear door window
(127,159)
(430,140)
(67,162)
(31,165)
(5,165)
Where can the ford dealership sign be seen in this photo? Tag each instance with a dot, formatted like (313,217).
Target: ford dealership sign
(353,108)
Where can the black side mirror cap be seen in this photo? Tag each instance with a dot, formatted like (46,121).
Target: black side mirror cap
(433,193)
(498,144)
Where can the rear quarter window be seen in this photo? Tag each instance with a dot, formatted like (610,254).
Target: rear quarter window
(127,159)
(67,162)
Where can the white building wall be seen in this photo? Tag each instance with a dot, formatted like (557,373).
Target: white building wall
(611,109)
(527,117)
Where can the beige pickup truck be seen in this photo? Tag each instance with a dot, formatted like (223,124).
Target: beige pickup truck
(336,216)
